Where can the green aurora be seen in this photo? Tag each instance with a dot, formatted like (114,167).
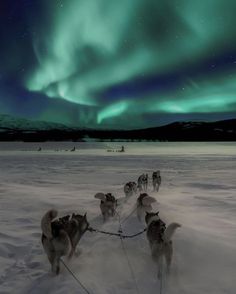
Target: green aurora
(101,55)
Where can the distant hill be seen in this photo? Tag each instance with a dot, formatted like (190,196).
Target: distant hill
(8,122)
(18,129)
(194,131)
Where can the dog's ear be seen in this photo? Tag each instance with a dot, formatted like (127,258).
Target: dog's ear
(74,223)
(100,196)
(53,213)
(147,213)
(85,215)
(157,213)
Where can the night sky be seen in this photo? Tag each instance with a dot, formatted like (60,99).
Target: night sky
(118,64)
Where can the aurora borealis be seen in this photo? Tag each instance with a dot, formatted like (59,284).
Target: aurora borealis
(118,64)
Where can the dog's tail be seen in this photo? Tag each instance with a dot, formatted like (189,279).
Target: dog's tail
(170,230)
(46,222)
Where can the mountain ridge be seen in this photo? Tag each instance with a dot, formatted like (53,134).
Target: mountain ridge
(20,129)
(17,123)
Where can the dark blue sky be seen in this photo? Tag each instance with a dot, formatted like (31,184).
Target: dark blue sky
(125,64)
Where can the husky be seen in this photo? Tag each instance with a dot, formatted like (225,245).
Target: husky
(130,188)
(143,182)
(61,236)
(108,204)
(160,239)
(156,180)
(75,227)
(144,203)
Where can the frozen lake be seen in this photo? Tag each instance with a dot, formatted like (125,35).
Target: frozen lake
(198,190)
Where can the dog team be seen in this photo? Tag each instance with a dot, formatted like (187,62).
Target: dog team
(60,236)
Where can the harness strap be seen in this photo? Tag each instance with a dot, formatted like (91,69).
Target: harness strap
(120,235)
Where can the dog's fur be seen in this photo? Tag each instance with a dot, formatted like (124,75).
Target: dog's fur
(108,204)
(75,227)
(61,236)
(143,182)
(144,203)
(156,180)
(130,188)
(159,238)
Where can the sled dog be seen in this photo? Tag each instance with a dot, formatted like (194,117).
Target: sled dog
(156,180)
(130,188)
(160,239)
(61,236)
(144,203)
(108,204)
(143,182)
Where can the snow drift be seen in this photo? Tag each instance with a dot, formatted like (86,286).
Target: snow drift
(198,191)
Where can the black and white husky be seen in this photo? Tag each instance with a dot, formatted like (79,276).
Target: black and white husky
(160,239)
(61,236)
(144,203)
(143,182)
(130,188)
(108,204)
(156,180)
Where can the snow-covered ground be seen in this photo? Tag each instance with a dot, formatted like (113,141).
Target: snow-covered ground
(198,190)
